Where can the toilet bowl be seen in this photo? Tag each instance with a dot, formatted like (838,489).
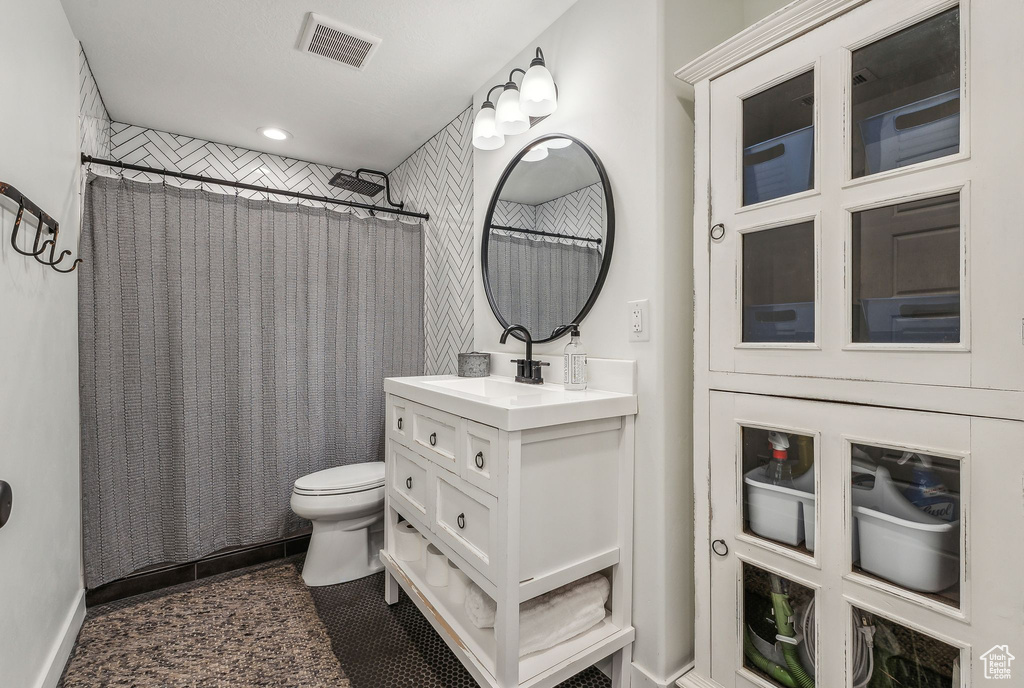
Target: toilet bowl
(346,506)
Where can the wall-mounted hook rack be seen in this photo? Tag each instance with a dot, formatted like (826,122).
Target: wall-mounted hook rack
(45,221)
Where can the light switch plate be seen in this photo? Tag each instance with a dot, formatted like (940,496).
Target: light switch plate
(638,321)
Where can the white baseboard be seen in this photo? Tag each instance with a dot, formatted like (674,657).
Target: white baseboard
(63,646)
(641,679)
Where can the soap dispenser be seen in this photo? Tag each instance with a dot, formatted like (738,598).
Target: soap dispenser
(574,368)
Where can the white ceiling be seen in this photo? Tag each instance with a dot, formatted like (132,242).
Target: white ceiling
(564,170)
(219,70)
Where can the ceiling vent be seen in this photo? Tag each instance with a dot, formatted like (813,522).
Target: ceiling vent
(335,41)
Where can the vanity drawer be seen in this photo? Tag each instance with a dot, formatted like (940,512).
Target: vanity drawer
(409,481)
(398,419)
(466,518)
(433,434)
(483,455)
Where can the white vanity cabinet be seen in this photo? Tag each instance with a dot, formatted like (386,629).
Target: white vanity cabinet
(525,489)
(859,312)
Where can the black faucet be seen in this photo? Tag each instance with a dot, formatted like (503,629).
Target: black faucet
(527,369)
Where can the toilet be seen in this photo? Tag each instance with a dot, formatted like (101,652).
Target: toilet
(346,506)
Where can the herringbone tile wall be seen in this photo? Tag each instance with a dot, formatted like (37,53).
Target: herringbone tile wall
(93,120)
(438,179)
(580,213)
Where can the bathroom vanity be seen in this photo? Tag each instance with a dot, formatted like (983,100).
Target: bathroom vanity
(524,488)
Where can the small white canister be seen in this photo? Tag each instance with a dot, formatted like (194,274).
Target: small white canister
(408,542)
(437,567)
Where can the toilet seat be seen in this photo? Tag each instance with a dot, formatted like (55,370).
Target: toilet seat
(357,477)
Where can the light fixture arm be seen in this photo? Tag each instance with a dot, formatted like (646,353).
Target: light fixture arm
(488,100)
(513,73)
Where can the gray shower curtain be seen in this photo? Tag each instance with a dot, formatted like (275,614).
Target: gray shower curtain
(227,347)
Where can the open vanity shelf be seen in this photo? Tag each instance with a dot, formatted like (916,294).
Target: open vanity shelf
(525,489)
(859,362)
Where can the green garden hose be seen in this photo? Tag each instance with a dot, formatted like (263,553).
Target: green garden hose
(766,665)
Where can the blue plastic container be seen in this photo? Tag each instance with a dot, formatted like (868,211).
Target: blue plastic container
(779,322)
(779,167)
(911,134)
(931,319)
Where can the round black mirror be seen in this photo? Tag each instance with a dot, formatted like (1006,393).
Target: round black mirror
(548,236)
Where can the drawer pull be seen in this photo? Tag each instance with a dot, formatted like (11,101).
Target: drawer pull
(433,439)
(399,423)
(479,459)
(408,482)
(461,520)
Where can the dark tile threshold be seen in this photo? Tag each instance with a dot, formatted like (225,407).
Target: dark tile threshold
(156,578)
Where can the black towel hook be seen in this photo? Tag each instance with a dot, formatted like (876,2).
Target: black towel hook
(36,248)
(63,254)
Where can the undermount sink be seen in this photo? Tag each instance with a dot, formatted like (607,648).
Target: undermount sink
(501,402)
(490,387)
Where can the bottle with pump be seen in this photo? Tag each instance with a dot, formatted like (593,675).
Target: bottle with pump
(574,376)
(926,491)
(779,470)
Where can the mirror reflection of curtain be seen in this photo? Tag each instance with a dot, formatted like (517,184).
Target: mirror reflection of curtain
(540,284)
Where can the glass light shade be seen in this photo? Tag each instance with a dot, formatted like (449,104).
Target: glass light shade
(485,134)
(538,152)
(510,120)
(558,143)
(537,96)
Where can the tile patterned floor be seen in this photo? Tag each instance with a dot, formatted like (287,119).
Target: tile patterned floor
(378,646)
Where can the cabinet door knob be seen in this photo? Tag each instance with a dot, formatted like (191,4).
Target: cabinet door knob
(461,520)
(399,423)
(479,459)
(717,232)
(433,439)
(408,483)
(720,548)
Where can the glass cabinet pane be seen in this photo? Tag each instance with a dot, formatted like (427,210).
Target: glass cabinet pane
(778,486)
(774,606)
(778,140)
(778,284)
(906,520)
(890,655)
(906,96)
(906,272)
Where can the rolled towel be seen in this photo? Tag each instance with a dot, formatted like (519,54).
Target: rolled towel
(551,618)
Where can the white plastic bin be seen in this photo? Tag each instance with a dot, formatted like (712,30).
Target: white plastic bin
(902,543)
(919,131)
(779,513)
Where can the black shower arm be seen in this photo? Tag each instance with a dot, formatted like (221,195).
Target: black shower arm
(387,185)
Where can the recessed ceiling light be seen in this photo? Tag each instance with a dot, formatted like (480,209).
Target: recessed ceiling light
(274,133)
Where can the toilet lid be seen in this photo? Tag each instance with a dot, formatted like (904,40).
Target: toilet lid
(355,477)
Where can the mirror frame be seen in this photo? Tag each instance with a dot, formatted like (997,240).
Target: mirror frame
(609,238)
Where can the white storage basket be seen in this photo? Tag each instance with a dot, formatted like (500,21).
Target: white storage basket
(779,513)
(902,543)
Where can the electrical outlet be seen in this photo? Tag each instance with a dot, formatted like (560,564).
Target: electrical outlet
(639,322)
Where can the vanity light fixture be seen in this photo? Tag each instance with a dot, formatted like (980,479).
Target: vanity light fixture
(553,144)
(511,115)
(274,133)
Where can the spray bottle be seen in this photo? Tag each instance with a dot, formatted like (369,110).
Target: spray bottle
(779,470)
(926,491)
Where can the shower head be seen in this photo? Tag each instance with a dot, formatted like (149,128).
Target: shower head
(356,184)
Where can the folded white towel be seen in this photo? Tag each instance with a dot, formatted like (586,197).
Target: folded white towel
(551,618)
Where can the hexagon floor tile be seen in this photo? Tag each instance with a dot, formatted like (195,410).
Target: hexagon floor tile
(393,647)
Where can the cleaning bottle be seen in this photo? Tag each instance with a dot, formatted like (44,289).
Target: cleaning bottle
(926,491)
(779,470)
(574,369)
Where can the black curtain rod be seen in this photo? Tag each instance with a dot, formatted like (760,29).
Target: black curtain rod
(547,234)
(88,159)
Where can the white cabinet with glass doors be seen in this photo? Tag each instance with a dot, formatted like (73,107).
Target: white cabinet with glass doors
(859,346)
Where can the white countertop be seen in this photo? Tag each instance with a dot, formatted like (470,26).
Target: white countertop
(502,402)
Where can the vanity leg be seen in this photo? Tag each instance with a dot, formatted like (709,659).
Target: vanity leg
(622,665)
(390,588)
